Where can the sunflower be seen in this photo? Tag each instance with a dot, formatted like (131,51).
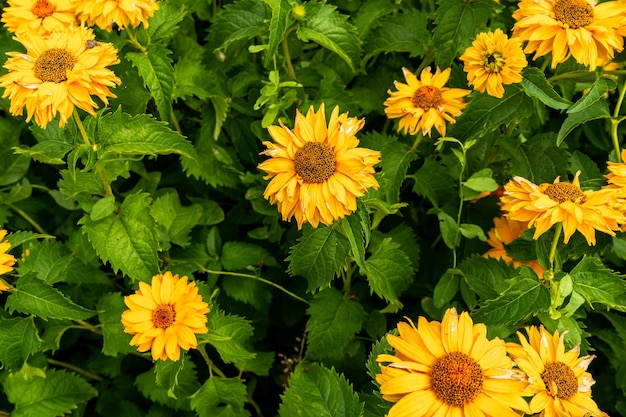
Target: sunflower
(424,103)
(590,33)
(617,173)
(165,316)
(562,202)
(317,171)
(122,13)
(58,73)
(493,60)
(41,16)
(450,369)
(6,261)
(504,232)
(559,381)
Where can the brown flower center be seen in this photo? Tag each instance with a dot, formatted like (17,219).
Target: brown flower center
(456,379)
(573,13)
(427,97)
(53,64)
(564,191)
(43,9)
(163,317)
(314,162)
(560,380)
(493,62)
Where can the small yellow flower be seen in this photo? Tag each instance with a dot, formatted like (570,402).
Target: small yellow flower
(41,16)
(6,261)
(316,170)
(424,103)
(559,381)
(165,316)
(122,13)
(493,60)
(450,369)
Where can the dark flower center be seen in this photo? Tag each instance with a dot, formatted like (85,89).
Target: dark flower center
(573,13)
(52,65)
(564,191)
(456,379)
(493,62)
(43,9)
(427,97)
(163,317)
(314,162)
(560,380)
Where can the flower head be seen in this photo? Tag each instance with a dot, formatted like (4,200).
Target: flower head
(57,73)
(41,16)
(165,316)
(559,381)
(424,103)
(493,60)
(122,13)
(316,169)
(6,261)
(579,28)
(562,202)
(449,369)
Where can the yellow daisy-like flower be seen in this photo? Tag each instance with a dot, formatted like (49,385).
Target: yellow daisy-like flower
(504,232)
(544,205)
(6,261)
(58,73)
(493,60)
(450,369)
(122,13)
(579,28)
(41,16)
(559,381)
(425,103)
(165,316)
(316,170)
(617,173)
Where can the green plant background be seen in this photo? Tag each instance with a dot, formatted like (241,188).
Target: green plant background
(168,180)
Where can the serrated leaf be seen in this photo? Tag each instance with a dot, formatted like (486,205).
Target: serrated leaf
(179,397)
(19,238)
(488,277)
(110,309)
(352,228)
(536,85)
(319,256)
(434,182)
(597,91)
(539,159)
(239,20)
(213,164)
(176,220)
(333,323)
(164,23)
(279,22)
(43,300)
(590,174)
(167,372)
(396,158)
(127,239)
(53,143)
(598,110)
(316,391)
(327,27)
(369,14)
(12,167)
(155,68)
(49,260)
(401,32)
(241,255)
(191,79)
(598,284)
(19,339)
(389,271)
(220,397)
(228,334)
(247,290)
(56,394)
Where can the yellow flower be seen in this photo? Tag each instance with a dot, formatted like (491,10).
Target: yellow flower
(450,369)
(165,316)
(41,16)
(316,170)
(617,173)
(562,202)
(58,73)
(504,232)
(493,60)
(6,261)
(580,28)
(559,381)
(3,286)
(424,103)
(123,13)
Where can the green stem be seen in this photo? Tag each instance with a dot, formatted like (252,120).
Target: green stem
(26,217)
(88,326)
(418,139)
(75,369)
(79,124)
(615,123)
(460,210)
(135,42)
(175,122)
(256,407)
(555,242)
(286,55)
(209,362)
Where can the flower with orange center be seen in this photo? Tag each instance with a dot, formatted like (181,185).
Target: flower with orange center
(559,381)
(449,369)
(424,103)
(165,316)
(505,231)
(316,170)
(6,261)
(544,205)
(493,60)
(590,33)
(58,73)
(41,16)
(122,13)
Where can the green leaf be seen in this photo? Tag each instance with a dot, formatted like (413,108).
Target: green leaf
(539,159)
(127,239)
(155,68)
(175,219)
(164,23)
(167,372)
(19,339)
(352,228)
(242,19)
(247,290)
(279,22)
(102,208)
(228,334)
(12,167)
(178,397)
(389,271)
(191,79)
(43,300)
(488,277)
(396,158)
(401,32)
(596,92)
(449,229)
(327,27)
(369,14)
(446,288)
(220,397)
(56,394)
(598,110)
(590,174)
(240,255)
(434,182)
(319,256)
(598,284)
(110,309)
(19,238)
(213,164)
(53,143)
(472,231)
(537,86)
(334,322)
(316,391)
(49,260)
